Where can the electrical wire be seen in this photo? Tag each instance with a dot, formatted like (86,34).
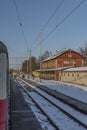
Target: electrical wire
(57,25)
(48,21)
(63,20)
(35,41)
(20,23)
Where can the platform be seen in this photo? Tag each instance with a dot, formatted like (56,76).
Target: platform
(22,117)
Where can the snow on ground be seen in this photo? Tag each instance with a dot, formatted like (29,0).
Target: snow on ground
(71,111)
(81,117)
(76,91)
(55,114)
(61,120)
(41,117)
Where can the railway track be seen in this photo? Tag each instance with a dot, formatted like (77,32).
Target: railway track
(61,110)
(76,104)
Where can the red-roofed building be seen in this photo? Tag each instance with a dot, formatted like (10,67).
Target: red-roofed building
(51,66)
(63,59)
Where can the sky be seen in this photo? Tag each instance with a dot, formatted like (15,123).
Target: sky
(30,22)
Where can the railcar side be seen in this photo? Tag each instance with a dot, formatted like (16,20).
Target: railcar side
(3,86)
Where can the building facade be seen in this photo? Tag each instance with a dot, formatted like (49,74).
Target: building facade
(63,59)
(52,66)
(76,75)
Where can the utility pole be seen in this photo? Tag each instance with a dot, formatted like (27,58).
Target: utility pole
(40,53)
(27,65)
(30,63)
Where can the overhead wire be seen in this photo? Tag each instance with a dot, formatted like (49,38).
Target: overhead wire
(48,21)
(35,41)
(57,8)
(63,20)
(44,27)
(22,29)
(20,23)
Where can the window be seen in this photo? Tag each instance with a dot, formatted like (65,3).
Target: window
(77,75)
(68,74)
(72,75)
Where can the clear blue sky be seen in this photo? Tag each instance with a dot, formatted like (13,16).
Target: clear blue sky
(33,15)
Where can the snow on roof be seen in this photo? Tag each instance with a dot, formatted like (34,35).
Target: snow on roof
(62,68)
(77,69)
(58,54)
(55,55)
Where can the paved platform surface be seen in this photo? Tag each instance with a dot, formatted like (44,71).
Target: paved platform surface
(22,117)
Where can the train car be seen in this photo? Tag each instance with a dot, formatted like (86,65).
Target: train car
(3,86)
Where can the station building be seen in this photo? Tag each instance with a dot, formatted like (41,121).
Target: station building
(76,75)
(52,67)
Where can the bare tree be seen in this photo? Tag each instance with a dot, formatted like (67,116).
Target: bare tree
(83,52)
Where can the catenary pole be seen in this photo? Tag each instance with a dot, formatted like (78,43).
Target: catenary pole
(40,53)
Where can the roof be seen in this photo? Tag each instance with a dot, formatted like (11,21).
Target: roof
(58,54)
(55,69)
(76,69)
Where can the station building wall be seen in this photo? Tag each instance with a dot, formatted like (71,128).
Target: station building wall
(76,77)
(68,58)
(63,59)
